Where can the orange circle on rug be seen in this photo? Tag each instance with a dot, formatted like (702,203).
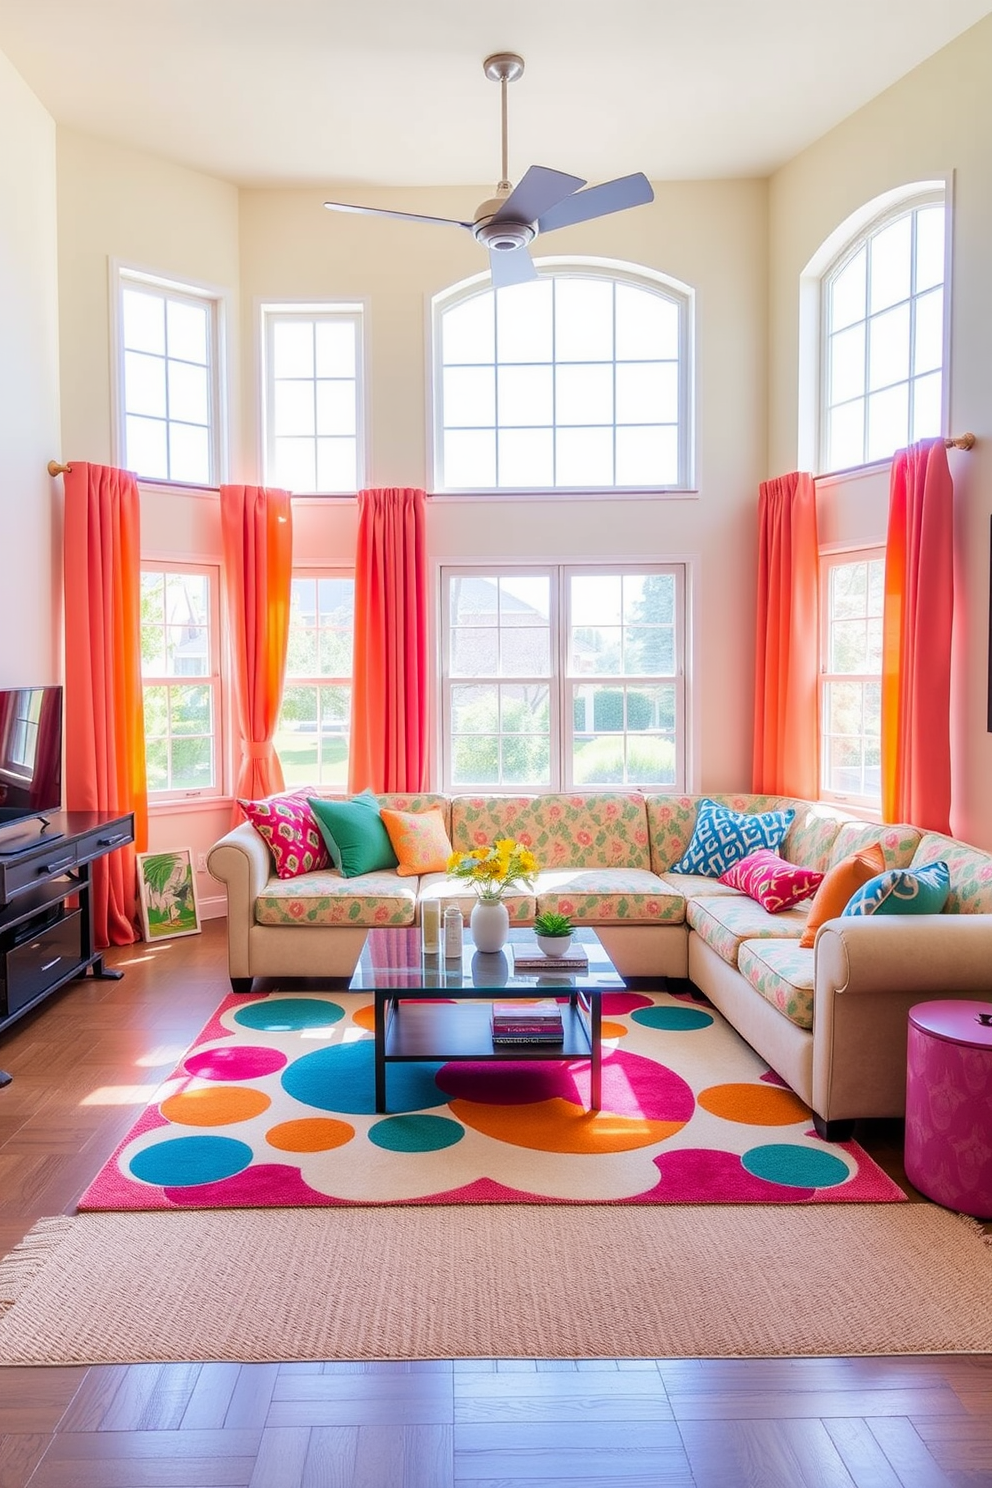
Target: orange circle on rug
(558,1125)
(219,1106)
(365,1017)
(309,1134)
(754,1105)
(614,1030)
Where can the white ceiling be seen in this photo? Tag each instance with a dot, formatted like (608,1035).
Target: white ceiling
(392,92)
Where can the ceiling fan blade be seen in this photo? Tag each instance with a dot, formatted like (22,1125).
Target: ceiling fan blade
(401,216)
(598,201)
(537,192)
(511,266)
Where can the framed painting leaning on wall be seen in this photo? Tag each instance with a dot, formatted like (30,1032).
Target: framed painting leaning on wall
(167,893)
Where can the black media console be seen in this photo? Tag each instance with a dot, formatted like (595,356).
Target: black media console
(45,941)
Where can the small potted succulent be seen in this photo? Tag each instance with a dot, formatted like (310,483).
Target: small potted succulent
(554,933)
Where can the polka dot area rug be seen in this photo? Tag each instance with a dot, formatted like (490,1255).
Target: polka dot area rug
(274,1107)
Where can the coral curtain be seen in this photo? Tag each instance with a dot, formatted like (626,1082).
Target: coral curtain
(786,691)
(257,530)
(104,713)
(916,639)
(389,729)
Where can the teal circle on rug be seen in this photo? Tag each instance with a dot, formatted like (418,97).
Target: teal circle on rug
(342,1078)
(796,1167)
(184,1162)
(286,1014)
(674,1019)
(416,1133)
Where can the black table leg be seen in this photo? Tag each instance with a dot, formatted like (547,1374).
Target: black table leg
(5,1079)
(381,1004)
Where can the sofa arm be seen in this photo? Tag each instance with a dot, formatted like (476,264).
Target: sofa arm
(240,860)
(946,953)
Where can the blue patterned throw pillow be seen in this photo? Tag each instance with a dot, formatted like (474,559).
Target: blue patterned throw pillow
(722,837)
(903,891)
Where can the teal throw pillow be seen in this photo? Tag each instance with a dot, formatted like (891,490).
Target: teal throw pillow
(355,834)
(722,837)
(903,891)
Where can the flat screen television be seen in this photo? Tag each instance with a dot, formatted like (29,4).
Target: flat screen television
(30,765)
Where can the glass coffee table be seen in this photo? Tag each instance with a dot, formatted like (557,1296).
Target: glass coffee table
(429,1008)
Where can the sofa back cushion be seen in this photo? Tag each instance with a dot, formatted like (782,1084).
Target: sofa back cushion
(598,829)
(970,870)
(672,821)
(898,842)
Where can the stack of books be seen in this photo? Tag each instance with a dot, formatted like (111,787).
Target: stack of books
(528,956)
(527,1023)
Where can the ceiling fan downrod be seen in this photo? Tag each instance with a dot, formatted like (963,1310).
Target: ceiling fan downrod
(503,68)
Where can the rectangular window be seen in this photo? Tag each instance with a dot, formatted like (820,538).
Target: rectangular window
(852,588)
(562,678)
(313,733)
(313,397)
(168,382)
(180,672)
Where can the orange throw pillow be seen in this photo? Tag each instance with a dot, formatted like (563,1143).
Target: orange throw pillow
(419,841)
(839,884)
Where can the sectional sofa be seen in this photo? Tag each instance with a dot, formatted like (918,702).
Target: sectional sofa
(830,1020)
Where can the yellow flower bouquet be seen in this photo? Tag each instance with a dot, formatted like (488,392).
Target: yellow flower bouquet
(494,869)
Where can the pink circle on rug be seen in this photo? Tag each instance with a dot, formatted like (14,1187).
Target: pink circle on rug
(632,1085)
(616,1004)
(234,1063)
(701,1175)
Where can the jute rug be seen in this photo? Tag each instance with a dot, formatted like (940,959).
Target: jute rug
(423,1282)
(273,1105)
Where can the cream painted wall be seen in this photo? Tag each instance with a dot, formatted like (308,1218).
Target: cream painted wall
(30,501)
(711,235)
(149,214)
(936,121)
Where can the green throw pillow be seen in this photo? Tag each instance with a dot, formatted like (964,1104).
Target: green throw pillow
(356,837)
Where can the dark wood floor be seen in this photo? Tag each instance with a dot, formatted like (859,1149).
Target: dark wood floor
(86,1064)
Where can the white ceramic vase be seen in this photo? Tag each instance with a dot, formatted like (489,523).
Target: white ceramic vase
(490,925)
(554,945)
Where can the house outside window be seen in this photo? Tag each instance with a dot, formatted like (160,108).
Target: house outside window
(181,682)
(883,337)
(579,380)
(168,382)
(852,590)
(313,403)
(559,678)
(313,733)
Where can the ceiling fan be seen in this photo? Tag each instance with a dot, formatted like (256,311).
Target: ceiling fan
(542,200)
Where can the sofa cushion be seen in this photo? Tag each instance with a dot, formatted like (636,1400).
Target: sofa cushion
(781,972)
(355,835)
(609,896)
(288,827)
(811,836)
(970,870)
(898,842)
(329,899)
(840,884)
(725,922)
(598,829)
(722,837)
(697,886)
(419,840)
(903,891)
(771,881)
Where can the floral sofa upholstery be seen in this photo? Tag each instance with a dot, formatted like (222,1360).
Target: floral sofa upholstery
(831,1020)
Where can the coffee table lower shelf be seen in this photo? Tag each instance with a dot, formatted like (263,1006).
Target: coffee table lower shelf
(462,1030)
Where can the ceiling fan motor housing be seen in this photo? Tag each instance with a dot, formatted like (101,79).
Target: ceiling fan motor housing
(502,236)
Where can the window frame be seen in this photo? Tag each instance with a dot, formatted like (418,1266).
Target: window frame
(317,572)
(214,299)
(270,313)
(214,680)
(561,683)
(638,276)
(865,805)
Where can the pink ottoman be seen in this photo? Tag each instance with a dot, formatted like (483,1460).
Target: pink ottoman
(949,1105)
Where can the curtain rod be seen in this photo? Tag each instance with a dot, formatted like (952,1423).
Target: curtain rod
(960,441)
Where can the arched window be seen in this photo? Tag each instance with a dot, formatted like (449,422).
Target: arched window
(882,329)
(578,380)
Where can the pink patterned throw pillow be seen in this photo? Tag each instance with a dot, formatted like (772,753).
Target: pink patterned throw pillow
(290,828)
(775,883)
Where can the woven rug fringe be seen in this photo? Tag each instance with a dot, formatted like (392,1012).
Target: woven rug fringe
(977,1228)
(19,1269)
